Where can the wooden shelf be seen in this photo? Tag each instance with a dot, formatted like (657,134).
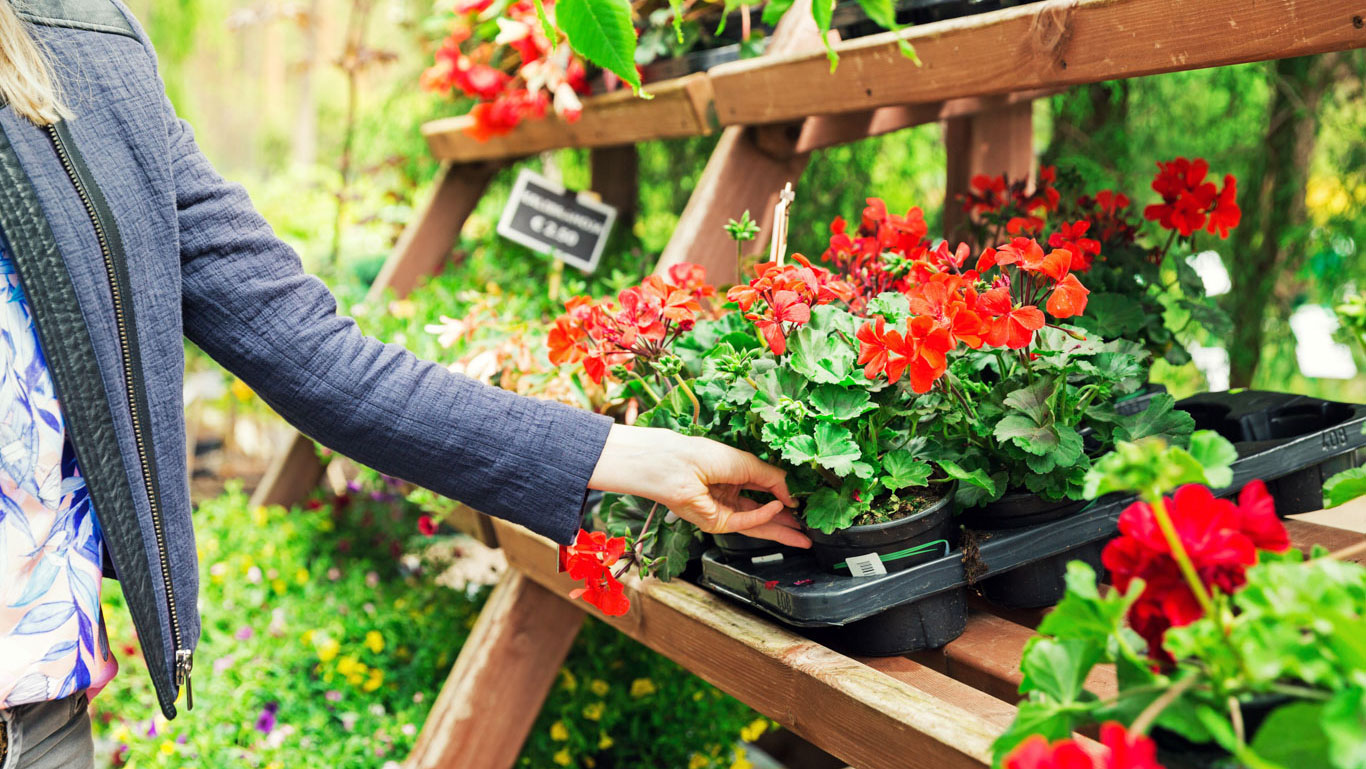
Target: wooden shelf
(680,107)
(1042,46)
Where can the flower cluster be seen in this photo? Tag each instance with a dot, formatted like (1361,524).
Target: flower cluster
(641,324)
(517,75)
(951,308)
(1189,202)
(1125,751)
(590,560)
(1108,217)
(1023,208)
(1220,537)
(780,297)
(874,259)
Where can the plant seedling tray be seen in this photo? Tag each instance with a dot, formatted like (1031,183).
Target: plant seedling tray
(1277,435)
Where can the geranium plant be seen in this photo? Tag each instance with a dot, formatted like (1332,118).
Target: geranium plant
(1143,287)
(1221,635)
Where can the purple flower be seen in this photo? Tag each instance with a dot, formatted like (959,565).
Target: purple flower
(243,633)
(332,695)
(152,728)
(353,486)
(265,723)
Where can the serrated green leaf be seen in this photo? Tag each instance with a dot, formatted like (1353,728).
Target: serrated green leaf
(1205,313)
(1216,455)
(903,469)
(546,26)
(834,403)
(1025,433)
(977,478)
(836,449)
(892,305)
(1292,736)
(828,511)
(774,10)
(1111,315)
(1048,719)
(819,355)
(601,31)
(676,544)
(1033,400)
(1160,419)
(800,449)
(1344,487)
(1058,668)
(821,11)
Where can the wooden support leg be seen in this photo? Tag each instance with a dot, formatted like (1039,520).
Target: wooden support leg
(506,668)
(993,142)
(422,250)
(739,176)
(615,173)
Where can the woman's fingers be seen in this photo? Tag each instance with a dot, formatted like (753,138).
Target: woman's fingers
(741,520)
(766,477)
(779,533)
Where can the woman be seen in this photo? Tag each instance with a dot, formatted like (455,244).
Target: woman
(117,237)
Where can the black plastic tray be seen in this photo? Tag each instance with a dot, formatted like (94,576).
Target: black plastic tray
(824,600)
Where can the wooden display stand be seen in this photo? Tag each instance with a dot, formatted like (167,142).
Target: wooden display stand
(939,709)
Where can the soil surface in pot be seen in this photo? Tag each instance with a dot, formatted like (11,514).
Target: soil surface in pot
(901,504)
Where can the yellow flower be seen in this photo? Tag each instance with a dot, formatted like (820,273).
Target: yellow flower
(755,730)
(741,760)
(559,732)
(698,761)
(697,696)
(259,517)
(402,309)
(350,665)
(167,747)
(122,734)
(599,687)
(307,637)
(642,687)
(279,586)
(375,680)
(301,576)
(562,758)
(605,741)
(325,524)
(594,711)
(328,649)
(374,641)
(567,680)
(240,390)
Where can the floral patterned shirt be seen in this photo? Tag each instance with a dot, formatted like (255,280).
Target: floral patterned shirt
(52,637)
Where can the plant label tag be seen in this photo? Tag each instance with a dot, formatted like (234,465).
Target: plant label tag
(866,565)
(547,218)
(770,558)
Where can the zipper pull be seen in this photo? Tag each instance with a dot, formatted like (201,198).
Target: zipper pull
(184,663)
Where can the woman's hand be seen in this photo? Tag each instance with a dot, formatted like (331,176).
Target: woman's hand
(700,481)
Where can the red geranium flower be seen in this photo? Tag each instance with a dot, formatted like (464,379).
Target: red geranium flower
(590,560)
(879,350)
(1068,298)
(1011,326)
(1072,237)
(1221,538)
(426,525)
(1125,751)
(1226,214)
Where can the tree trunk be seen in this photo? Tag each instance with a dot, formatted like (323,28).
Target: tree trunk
(1273,205)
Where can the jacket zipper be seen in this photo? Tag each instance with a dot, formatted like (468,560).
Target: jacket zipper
(184,658)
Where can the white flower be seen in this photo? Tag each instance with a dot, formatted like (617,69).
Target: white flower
(567,102)
(448,331)
(510,31)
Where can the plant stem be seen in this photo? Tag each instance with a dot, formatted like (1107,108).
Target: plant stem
(646,386)
(1155,708)
(1182,558)
(696,404)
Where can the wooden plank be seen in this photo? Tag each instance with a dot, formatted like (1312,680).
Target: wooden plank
(500,680)
(816,133)
(422,249)
(987,657)
(680,107)
(992,142)
(871,720)
(1304,535)
(615,175)
(1040,45)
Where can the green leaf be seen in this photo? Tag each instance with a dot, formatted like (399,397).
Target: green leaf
(1058,669)
(676,6)
(675,545)
(546,26)
(1033,400)
(1215,320)
(977,478)
(1216,455)
(892,305)
(819,355)
(1112,315)
(1344,723)
(1292,736)
(1084,615)
(821,11)
(1160,418)
(601,31)
(883,13)
(800,450)
(828,511)
(1344,487)
(1025,433)
(836,449)
(1051,720)
(774,10)
(840,404)
(903,469)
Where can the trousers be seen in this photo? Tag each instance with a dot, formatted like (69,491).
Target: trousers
(48,735)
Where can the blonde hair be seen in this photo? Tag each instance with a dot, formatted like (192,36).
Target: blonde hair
(26,79)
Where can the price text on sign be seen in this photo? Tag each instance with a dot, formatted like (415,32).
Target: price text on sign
(545,217)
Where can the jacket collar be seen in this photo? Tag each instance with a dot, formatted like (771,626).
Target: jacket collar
(90,15)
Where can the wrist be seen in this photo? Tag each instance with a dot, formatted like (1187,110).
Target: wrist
(639,461)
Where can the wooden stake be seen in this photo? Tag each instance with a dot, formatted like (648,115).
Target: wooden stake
(778,247)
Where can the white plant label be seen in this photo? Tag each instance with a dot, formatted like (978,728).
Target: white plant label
(866,565)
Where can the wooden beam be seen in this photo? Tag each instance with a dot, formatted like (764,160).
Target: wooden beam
(1039,45)
(500,680)
(992,142)
(615,177)
(680,107)
(422,250)
(855,712)
(1304,535)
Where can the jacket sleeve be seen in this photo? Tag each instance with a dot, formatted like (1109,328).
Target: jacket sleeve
(249,304)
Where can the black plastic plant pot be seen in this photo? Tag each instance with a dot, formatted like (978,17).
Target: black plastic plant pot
(1019,509)
(887,547)
(911,627)
(1177,752)
(1040,583)
(740,548)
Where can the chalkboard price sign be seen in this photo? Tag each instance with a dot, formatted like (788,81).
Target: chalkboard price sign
(545,217)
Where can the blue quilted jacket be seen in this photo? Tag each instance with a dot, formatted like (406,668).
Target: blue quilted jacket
(126,239)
